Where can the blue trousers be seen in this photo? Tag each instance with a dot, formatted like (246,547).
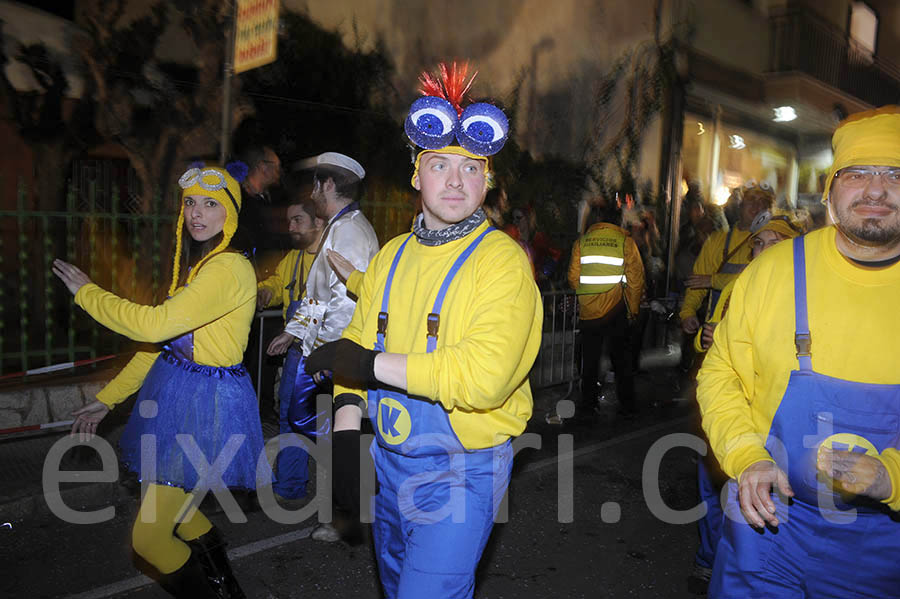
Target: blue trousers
(433,517)
(710,525)
(292,464)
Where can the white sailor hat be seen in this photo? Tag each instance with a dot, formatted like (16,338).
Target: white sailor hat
(335,159)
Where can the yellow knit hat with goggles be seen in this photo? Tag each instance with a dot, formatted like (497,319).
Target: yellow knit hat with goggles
(220,184)
(869,138)
(783,223)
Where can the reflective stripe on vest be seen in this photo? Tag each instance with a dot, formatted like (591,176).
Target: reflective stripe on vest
(602,280)
(611,260)
(602,261)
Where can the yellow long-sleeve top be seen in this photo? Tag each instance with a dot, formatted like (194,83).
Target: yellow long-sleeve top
(218,306)
(717,315)
(278,282)
(854,325)
(354,282)
(490,331)
(599,304)
(708,262)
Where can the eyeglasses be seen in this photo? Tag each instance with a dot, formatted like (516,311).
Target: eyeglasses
(855,177)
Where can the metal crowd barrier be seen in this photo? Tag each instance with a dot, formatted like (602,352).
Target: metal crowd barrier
(262,343)
(557,362)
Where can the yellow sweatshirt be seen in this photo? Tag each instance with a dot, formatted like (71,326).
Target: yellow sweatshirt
(708,262)
(599,304)
(854,324)
(490,331)
(354,282)
(282,278)
(218,306)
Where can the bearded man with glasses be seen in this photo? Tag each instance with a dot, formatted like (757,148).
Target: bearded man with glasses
(800,392)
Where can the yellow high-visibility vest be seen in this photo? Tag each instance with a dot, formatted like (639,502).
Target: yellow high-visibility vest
(602,261)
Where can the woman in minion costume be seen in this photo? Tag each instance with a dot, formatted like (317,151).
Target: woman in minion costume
(447,326)
(195,426)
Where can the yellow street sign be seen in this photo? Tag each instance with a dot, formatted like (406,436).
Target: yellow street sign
(256,34)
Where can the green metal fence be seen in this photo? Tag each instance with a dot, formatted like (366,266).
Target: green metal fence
(123,251)
(120,247)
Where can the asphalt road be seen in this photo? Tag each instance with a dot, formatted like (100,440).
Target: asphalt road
(596,534)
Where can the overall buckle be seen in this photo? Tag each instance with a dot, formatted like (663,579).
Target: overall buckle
(803,343)
(434,322)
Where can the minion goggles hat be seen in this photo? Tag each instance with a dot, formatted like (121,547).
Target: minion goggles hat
(220,184)
(869,138)
(434,120)
(777,221)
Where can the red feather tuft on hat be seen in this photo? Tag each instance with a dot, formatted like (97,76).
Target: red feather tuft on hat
(451,85)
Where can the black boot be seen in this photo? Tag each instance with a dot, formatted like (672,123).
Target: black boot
(210,550)
(188,582)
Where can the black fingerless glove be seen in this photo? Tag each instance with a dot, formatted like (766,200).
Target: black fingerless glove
(345,359)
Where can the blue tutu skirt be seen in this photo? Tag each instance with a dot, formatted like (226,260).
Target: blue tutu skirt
(198,426)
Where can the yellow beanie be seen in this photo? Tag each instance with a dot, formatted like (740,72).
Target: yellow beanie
(869,138)
(488,175)
(217,183)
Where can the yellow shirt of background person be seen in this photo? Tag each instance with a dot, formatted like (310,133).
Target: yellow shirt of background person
(218,306)
(746,371)
(767,229)
(597,305)
(724,255)
(708,262)
(279,281)
(489,335)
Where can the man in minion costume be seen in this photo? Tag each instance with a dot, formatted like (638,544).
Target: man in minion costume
(287,288)
(768,228)
(800,392)
(723,256)
(447,326)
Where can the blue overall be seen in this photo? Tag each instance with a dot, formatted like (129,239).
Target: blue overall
(296,409)
(827,544)
(437,500)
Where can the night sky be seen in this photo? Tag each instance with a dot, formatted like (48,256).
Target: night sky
(62,8)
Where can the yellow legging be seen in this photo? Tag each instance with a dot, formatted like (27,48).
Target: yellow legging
(163,515)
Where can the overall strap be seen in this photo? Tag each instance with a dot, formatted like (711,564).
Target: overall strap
(802,339)
(434,319)
(385,299)
(291,286)
(727,241)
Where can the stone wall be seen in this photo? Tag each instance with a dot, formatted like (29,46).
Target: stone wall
(40,405)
